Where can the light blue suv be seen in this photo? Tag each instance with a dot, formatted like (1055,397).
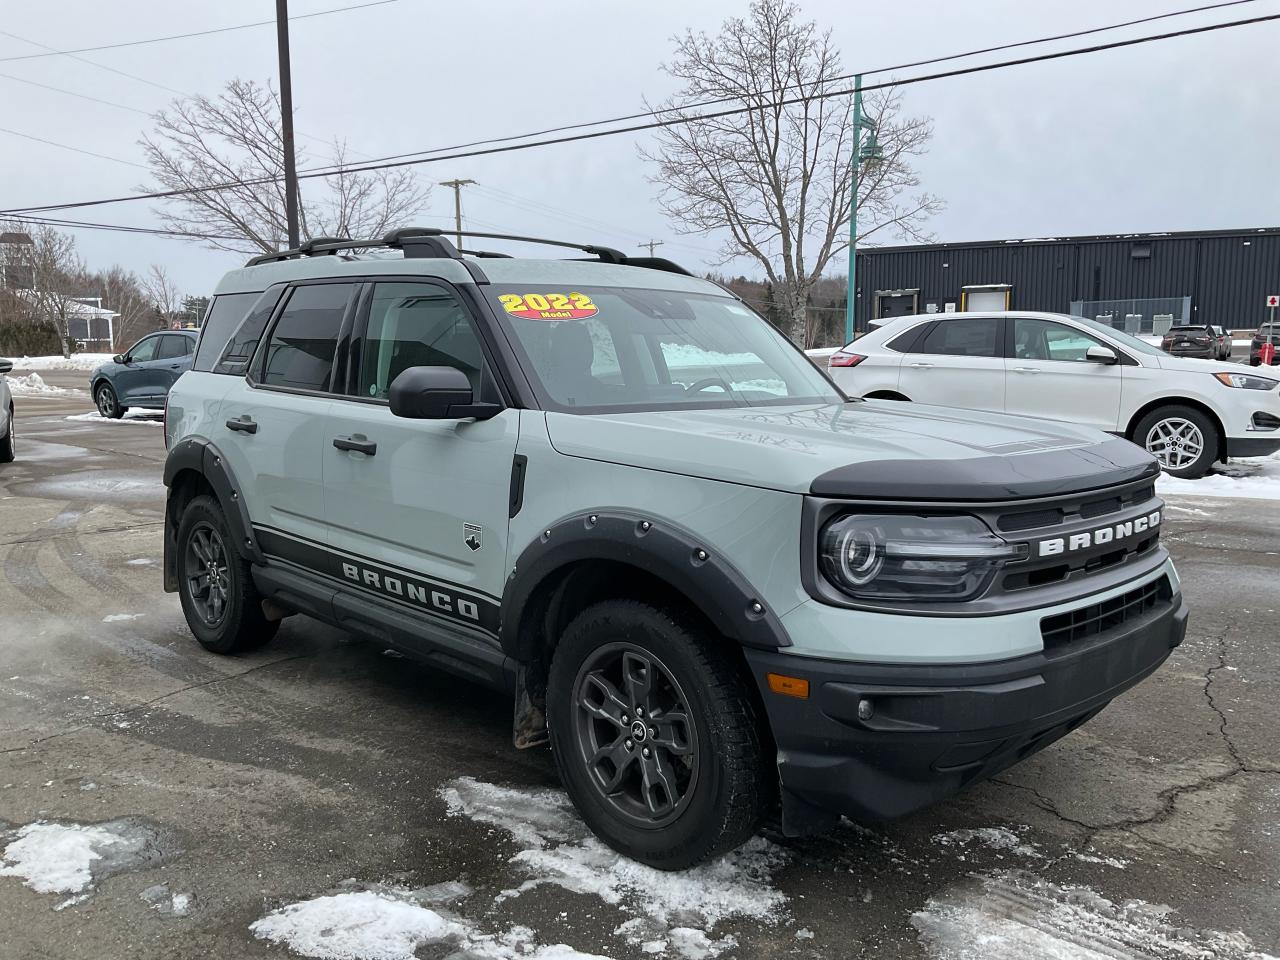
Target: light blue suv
(142,375)
(612,491)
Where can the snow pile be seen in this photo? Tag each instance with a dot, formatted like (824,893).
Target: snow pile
(33,385)
(689,355)
(66,858)
(391,923)
(1014,915)
(1248,477)
(997,838)
(78,361)
(154,417)
(680,907)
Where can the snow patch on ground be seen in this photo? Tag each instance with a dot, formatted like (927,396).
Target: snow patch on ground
(78,361)
(154,417)
(1247,477)
(688,355)
(680,907)
(120,617)
(68,857)
(392,923)
(1014,915)
(997,838)
(33,385)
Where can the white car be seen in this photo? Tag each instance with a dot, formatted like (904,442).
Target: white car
(6,414)
(1188,413)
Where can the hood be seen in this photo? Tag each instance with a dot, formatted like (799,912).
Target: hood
(1192,364)
(882,449)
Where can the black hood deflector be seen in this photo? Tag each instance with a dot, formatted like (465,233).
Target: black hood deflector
(1020,476)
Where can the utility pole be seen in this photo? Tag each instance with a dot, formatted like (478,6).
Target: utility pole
(651,244)
(867,153)
(286,124)
(457,186)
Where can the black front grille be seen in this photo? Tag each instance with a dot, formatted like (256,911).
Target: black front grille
(1078,507)
(1067,628)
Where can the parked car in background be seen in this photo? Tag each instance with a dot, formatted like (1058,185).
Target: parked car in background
(1188,412)
(6,415)
(1266,332)
(1188,340)
(1223,338)
(142,376)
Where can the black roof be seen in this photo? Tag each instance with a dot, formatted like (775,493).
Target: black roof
(1243,233)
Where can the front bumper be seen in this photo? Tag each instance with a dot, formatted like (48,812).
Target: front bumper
(937,728)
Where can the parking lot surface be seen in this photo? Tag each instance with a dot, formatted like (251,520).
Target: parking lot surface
(217,793)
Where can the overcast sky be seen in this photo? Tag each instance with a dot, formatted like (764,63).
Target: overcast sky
(1171,136)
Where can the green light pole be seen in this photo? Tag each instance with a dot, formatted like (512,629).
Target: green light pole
(868,153)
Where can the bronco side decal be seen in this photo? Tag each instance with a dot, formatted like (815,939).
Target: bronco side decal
(433,597)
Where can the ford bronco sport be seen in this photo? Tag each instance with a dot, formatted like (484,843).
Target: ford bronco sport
(608,488)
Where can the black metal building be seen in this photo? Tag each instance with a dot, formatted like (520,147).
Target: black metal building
(1138,282)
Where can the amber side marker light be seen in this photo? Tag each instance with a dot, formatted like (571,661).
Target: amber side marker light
(789,686)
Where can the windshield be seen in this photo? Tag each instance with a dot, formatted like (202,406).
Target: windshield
(1126,340)
(596,349)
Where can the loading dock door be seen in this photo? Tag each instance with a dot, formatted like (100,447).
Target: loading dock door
(995,296)
(896,303)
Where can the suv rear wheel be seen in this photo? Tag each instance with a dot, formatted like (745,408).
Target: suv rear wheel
(7,444)
(107,402)
(1183,439)
(656,735)
(221,603)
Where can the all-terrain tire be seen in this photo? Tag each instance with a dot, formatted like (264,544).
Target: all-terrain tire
(8,444)
(1182,426)
(237,624)
(732,788)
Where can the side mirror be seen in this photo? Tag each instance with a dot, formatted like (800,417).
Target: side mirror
(119,358)
(5,366)
(1097,354)
(436,393)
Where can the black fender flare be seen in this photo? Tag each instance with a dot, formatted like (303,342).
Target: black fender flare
(659,547)
(201,456)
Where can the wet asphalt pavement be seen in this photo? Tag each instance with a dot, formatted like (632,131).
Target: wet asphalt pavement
(271,778)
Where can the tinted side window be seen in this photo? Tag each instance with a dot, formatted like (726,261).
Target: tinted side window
(975,337)
(300,351)
(903,342)
(417,325)
(144,350)
(242,344)
(173,347)
(225,314)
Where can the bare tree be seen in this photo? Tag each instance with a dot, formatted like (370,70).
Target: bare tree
(161,293)
(235,138)
(778,177)
(59,282)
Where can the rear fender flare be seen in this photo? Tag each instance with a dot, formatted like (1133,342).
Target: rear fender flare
(201,456)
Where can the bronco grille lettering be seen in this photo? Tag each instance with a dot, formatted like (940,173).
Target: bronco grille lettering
(1099,537)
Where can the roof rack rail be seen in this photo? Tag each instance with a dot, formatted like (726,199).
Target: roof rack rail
(433,242)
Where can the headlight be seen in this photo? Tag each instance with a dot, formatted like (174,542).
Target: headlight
(898,557)
(1245,381)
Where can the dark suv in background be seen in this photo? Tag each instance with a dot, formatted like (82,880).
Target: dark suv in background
(1264,333)
(1185,340)
(142,376)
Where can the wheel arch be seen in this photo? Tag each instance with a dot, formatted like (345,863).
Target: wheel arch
(1177,401)
(193,467)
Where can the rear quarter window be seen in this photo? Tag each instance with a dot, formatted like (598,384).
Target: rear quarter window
(244,341)
(224,316)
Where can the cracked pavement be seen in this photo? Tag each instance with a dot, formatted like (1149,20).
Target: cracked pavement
(281,773)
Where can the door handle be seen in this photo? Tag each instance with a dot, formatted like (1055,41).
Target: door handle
(357,442)
(922,366)
(1025,370)
(175,366)
(244,424)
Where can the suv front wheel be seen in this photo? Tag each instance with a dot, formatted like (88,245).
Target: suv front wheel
(656,735)
(108,403)
(1183,439)
(219,598)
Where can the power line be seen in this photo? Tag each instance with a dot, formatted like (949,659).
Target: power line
(87,153)
(776,91)
(72,93)
(184,36)
(676,121)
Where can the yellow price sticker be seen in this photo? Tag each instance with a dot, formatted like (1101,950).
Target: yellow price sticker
(549,306)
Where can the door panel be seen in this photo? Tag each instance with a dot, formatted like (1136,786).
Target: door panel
(958,363)
(1049,375)
(172,360)
(135,382)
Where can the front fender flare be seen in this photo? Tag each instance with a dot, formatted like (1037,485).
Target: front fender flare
(657,546)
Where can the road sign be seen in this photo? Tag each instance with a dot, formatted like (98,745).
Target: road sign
(1273,300)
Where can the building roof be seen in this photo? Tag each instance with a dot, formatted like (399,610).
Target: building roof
(1244,233)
